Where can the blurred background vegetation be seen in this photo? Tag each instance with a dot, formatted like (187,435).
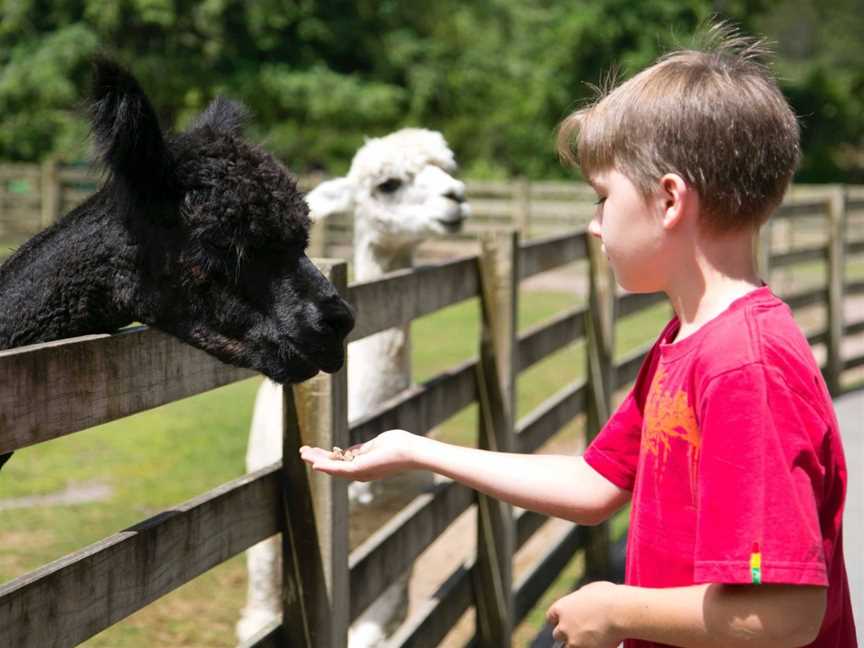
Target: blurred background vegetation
(496,76)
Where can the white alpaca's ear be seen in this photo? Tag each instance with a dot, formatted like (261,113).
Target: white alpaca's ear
(329,198)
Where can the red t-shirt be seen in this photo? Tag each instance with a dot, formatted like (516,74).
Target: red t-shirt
(730,445)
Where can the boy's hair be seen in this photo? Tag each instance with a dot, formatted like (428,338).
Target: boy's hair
(713,115)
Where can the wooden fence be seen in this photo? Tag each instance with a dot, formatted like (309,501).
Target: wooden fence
(326,587)
(34,196)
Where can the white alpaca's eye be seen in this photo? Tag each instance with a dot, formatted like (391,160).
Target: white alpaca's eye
(389,186)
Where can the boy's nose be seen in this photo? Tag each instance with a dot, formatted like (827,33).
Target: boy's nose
(594,228)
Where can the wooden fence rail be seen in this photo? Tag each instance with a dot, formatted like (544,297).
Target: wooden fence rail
(33,196)
(54,389)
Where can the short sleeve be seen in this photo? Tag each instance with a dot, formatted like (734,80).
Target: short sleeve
(759,482)
(614,452)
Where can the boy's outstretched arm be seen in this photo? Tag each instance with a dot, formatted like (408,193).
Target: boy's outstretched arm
(558,485)
(600,615)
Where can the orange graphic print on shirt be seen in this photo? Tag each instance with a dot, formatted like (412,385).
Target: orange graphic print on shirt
(668,416)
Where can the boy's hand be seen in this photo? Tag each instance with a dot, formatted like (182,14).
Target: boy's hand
(384,456)
(584,619)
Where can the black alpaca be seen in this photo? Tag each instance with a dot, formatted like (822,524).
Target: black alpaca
(199,234)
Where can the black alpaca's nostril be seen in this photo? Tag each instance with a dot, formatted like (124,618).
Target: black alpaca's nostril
(339,315)
(456,196)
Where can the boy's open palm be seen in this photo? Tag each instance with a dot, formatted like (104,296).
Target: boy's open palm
(384,456)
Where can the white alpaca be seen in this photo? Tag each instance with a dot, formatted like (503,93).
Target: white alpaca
(400,192)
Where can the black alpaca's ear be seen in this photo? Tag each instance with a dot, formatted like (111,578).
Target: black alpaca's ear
(127,134)
(223,115)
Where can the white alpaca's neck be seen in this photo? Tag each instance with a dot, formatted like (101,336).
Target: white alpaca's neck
(373,258)
(379,366)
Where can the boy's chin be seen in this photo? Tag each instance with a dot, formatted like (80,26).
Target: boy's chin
(638,287)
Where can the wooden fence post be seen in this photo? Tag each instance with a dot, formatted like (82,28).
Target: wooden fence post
(599,340)
(496,387)
(315,539)
(318,238)
(836,279)
(522,207)
(51,194)
(318,230)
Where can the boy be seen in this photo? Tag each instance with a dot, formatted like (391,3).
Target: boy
(727,446)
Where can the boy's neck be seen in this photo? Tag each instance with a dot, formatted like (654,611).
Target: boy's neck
(721,270)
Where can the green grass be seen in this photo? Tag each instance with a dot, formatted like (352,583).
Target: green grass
(159,458)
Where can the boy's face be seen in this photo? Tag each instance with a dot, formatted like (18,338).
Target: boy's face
(631,231)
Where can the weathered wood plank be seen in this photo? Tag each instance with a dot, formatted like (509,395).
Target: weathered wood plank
(77,175)
(435,618)
(635,302)
(806,298)
(854,247)
(854,287)
(17,170)
(550,417)
(527,524)
(571,190)
(810,207)
(548,253)
(817,337)
(421,407)
(70,198)
(50,193)
(628,368)
(496,405)
(488,187)
(836,212)
(379,561)
(600,370)
(550,336)
(564,212)
(481,206)
(315,579)
(49,390)
(853,362)
(853,328)
(404,295)
(803,255)
(73,598)
(531,586)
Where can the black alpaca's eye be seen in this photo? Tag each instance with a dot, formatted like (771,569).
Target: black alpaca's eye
(389,186)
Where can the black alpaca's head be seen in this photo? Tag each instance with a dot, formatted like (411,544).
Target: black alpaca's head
(215,229)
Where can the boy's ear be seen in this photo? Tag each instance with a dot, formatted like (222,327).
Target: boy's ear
(330,198)
(676,198)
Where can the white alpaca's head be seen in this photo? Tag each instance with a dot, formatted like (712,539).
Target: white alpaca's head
(399,190)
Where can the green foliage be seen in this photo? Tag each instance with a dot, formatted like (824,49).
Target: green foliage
(496,76)
(821,62)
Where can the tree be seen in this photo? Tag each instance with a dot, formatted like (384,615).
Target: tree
(496,76)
